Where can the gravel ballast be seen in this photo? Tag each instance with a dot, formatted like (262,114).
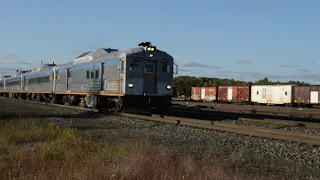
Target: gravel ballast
(243,152)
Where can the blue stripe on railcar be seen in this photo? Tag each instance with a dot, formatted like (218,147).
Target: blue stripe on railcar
(13,79)
(39,75)
(62,71)
(89,66)
(111,62)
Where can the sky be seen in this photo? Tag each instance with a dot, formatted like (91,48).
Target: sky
(239,39)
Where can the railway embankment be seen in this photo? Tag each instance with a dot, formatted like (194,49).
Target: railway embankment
(46,142)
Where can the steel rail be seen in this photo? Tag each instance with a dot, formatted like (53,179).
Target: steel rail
(259,120)
(300,114)
(282,122)
(297,137)
(262,112)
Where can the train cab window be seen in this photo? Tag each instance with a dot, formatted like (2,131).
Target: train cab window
(285,93)
(165,67)
(97,74)
(149,68)
(135,65)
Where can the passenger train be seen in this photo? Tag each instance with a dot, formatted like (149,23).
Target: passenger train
(107,78)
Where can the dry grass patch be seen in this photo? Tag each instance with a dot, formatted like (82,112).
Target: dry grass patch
(32,149)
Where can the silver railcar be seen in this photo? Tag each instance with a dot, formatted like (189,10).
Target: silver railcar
(106,78)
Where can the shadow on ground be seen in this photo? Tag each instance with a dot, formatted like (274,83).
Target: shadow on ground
(218,115)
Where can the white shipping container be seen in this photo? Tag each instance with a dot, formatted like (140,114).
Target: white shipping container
(272,94)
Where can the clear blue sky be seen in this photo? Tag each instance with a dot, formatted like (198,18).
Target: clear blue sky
(240,39)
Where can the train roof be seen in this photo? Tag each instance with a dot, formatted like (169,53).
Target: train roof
(94,56)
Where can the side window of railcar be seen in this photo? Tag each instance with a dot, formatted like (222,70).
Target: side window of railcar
(69,73)
(97,74)
(88,75)
(165,67)
(92,74)
(135,65)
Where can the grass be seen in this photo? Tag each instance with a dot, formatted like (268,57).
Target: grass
(33,149)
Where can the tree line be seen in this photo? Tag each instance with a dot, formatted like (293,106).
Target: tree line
(183,84)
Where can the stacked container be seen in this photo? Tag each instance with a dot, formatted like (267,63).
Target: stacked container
(234,93)
(272,94)
(204,93)
(306,94)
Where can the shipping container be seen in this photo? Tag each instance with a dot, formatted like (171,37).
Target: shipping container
(241,93)
(306,94)
(234,93)
(195,93)
(204,93)
(211,94)
(225,93)
(272,94)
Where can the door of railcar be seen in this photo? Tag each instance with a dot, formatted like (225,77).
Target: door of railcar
(102,78)
(121,75)
(69,78)
(150,76)
(22,83)
(53,78)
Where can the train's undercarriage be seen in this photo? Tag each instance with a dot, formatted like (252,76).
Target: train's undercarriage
(154,104)
(127,103)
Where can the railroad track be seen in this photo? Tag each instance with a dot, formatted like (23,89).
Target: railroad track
(257,120)
(261,110)
(297,137)
(283,122)
(241,113)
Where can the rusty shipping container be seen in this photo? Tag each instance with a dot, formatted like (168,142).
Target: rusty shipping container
(241,93)
(223,94)
(195,93)
(204,93)
(234,93)
(210,94)
(306,94)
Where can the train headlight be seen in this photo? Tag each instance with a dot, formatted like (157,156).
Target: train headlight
(168,87)
(130,85)
(151,48)
(151,55)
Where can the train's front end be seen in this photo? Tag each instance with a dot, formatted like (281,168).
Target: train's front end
(149,78)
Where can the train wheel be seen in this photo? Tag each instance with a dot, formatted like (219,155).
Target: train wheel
(38,98)
(83,103)
(65,101)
